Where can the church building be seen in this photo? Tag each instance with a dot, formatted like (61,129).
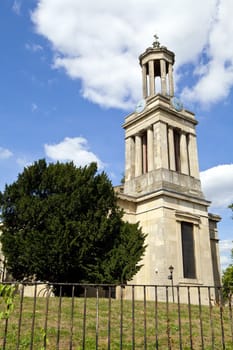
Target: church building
(162,189)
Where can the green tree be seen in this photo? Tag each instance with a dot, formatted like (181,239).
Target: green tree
(227,279)
(62,224)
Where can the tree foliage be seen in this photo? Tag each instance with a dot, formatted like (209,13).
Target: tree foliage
(62,224)
(227,278)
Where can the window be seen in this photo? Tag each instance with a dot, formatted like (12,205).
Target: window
(188,250)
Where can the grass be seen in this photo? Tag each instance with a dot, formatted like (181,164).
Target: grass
(74,322)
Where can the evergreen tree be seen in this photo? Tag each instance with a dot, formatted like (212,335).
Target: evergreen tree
(62,224)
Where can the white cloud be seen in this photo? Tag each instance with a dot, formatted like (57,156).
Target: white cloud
(72,149)
(16,7)
(99,42)
(33,47)
(5,153)
(23,162)
(34,107)
(217,185)
(225,248)
(215,77)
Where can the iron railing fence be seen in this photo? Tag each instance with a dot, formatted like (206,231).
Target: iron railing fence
(74,316)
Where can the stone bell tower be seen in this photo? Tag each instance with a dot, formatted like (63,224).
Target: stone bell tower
(162,189)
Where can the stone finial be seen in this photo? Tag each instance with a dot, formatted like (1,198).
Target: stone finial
(156,43)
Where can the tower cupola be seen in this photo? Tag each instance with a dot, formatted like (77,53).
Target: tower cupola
(157,70)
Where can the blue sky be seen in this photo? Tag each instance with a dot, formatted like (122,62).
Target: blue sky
(70,74)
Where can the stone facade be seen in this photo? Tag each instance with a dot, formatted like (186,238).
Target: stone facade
(162,189)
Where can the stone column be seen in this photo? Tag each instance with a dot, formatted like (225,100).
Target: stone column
(152,78)
(150,153)
(144,153)
(129,158)
(193,156)
(184,164)
(170,77)
(163,77)
(171,148)
(144,82)
(160,146)
(164,145)
(157,153)
(132,157)
(138,155)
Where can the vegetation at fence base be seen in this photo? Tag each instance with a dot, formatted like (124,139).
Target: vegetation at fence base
(75,321)
(62,223)
(7,294)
